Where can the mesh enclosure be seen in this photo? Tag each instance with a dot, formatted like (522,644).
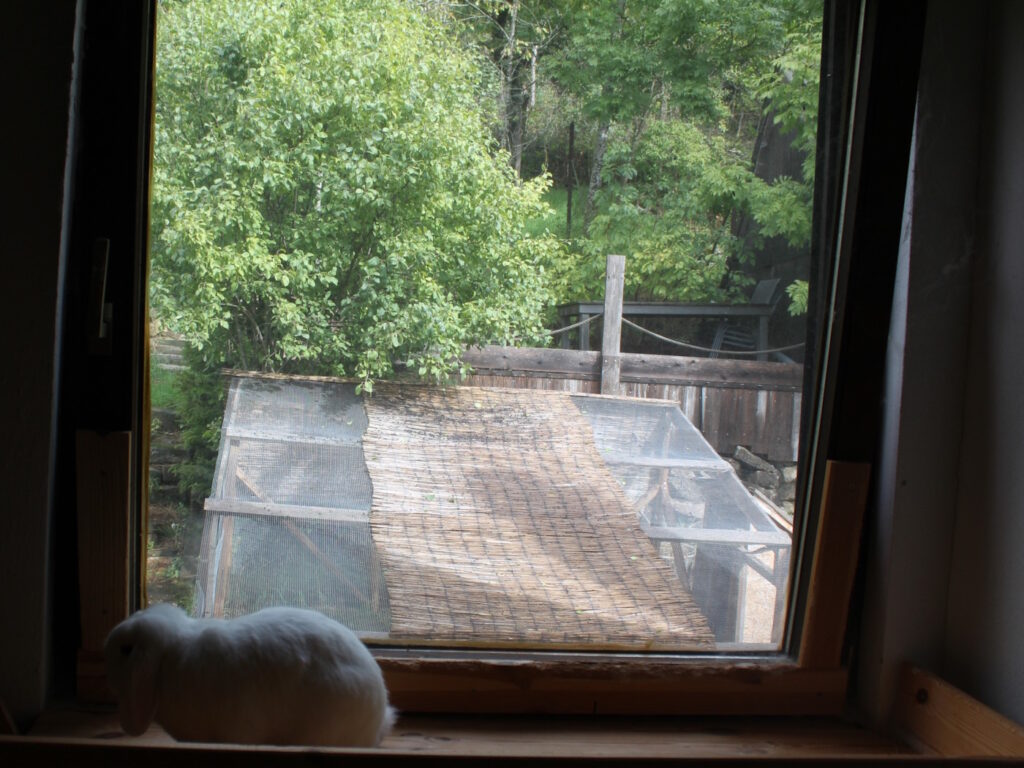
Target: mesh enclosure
(692,505)
(324,565)
(287,521)
(666,467)
(477,517)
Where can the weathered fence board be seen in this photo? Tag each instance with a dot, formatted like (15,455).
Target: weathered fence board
(644,369)
(732,402)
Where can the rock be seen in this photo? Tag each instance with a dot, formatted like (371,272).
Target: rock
(789,474)
(787,491)
(752,460)
(165,420)
(767,479)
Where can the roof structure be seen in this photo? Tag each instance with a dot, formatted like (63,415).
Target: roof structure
(463,516)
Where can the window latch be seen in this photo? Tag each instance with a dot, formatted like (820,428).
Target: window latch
(101,312)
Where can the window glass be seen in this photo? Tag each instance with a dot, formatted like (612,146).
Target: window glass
(389,378)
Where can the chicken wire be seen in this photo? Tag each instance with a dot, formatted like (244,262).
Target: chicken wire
(692,505)
(287,521)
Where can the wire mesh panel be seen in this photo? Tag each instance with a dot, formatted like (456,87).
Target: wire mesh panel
(690,501)
(287,522)
(324,565)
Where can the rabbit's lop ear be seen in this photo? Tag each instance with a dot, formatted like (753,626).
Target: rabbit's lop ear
(137,704)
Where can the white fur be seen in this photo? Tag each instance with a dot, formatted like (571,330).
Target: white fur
(279,676)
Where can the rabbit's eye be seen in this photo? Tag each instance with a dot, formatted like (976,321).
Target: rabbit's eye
(126,650)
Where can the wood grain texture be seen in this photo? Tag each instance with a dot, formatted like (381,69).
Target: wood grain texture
(630,686)
(646,369)
(511,740)
(611,333)
(103,470)
(835,563)
(944,720)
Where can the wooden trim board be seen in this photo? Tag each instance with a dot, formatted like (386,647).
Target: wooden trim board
(594,739)
(630,686)
(639,368)
(941,719)
(834,569)
(93,737)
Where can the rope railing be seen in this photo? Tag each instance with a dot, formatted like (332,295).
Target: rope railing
(683,344)
(699,348)
(584,321)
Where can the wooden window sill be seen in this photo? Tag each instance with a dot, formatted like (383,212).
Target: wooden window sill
(94,736)
(942,726)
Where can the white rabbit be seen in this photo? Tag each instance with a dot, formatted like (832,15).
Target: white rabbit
(279,676)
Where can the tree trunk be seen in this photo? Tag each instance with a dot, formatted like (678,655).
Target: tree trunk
(511,96)
(601,144)
(570,173)
(517,142)
(597,163)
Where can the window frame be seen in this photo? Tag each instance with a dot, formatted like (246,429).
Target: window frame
(857,209)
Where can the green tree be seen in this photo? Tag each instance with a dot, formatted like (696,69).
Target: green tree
(677,90)
(326,195)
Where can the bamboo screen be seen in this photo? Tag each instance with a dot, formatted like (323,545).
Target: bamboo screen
(465,516)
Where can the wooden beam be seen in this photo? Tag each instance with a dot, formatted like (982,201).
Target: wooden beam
(630,686)
(611,362)
(103,472)
(223,570)
(936,717)
(835,563)
(269,509)
(636,368)
(772,538)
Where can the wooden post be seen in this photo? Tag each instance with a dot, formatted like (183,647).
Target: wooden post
(611,360)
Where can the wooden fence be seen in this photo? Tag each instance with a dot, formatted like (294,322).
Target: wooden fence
(732,402)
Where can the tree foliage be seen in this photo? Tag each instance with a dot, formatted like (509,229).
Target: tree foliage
(684,89)
(331,194)
(326,195)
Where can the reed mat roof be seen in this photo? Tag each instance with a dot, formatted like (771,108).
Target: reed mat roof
(498,524)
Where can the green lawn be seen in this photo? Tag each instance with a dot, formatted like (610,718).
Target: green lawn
(162,390)
(555,222)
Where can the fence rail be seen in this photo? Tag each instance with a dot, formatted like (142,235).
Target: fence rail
(733,402)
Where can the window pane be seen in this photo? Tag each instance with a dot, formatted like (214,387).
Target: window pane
(390,221)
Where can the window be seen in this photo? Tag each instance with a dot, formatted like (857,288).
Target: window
(572,667)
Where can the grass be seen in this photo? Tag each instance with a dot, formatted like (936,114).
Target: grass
(163,392)
(555,221)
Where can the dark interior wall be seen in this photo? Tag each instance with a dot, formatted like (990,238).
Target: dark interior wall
(978,645)
(985,623)
(36,51)
(945,560)
(910,534)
